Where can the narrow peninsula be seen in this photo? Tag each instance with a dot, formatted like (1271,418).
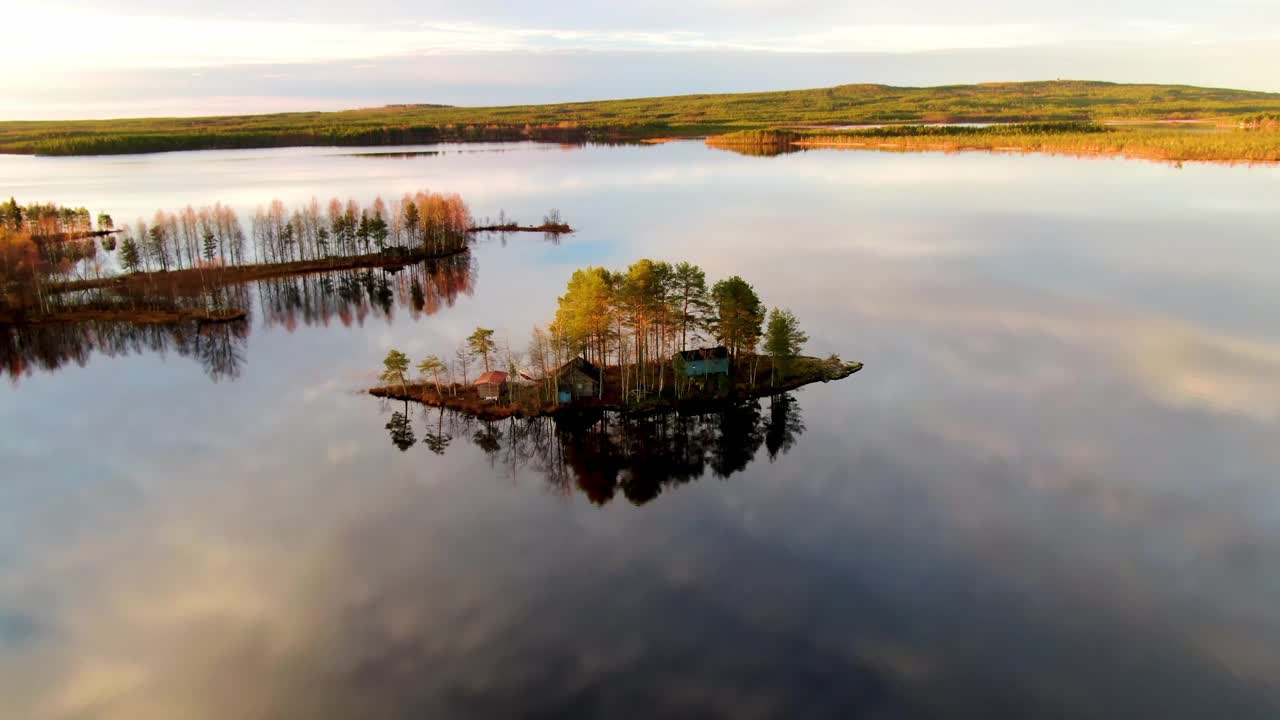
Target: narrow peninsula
(57,267)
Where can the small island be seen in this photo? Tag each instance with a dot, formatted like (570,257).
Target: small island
(635,341)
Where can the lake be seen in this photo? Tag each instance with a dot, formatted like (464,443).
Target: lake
(1052,492)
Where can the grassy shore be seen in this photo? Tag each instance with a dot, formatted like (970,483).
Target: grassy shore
(465,398)
(645,118)
(1163,143)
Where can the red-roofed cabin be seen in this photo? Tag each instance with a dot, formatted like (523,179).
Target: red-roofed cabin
(489,385)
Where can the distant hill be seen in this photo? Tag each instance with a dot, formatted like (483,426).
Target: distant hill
(676,116)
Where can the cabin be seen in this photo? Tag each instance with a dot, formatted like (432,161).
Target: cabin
(489,385)
(705,362)
(577,379)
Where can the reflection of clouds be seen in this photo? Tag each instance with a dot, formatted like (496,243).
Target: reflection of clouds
(1083,463)
(1224,373)
(390,600)
(94,687)
(1024,499)
(1177,362)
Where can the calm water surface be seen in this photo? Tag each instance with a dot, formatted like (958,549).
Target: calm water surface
(1053,491)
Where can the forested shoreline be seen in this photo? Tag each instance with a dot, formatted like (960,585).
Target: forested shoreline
(54,262)
(1259,143)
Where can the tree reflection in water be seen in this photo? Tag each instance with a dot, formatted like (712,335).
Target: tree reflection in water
(220,347)
(401,429)
(354,295)
(603,453)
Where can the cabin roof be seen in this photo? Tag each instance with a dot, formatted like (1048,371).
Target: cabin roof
(493,377)
(580,363)
(717,352)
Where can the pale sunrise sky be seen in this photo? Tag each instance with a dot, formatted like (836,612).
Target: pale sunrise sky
(117,58)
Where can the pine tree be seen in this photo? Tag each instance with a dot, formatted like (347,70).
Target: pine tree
(129,256)
(13,213)
(411,219)
(432,365)
(783,341)
(739,315)
(689,291)
(481,343)
(396,365)
(210,246)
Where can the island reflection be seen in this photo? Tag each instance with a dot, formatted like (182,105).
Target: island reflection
(602,453)
(350,296)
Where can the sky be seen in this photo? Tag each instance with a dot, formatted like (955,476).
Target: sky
(122,58)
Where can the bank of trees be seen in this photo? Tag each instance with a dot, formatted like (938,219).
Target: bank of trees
(44,241)
(632,323)
(434,222)
(47,220)
(189,238)
(213,236)
(639,317)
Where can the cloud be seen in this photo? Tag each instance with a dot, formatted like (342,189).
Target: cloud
(499,78)
(122,58)
(175,39)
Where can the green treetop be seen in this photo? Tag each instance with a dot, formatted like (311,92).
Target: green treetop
(783,341)
(739,315)
(432,365)
(396,365)
(481,343)
(130,258)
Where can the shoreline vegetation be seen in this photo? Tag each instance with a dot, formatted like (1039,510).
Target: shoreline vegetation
(629,341)
(465,399)
(56,267)
(1172,144)
(1252,118)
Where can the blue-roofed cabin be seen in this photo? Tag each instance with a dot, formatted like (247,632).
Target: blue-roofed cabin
(705,361)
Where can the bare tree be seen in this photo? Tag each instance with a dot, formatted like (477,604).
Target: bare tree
(463,358)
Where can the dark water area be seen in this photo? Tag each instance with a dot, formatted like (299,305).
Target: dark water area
(1051,492)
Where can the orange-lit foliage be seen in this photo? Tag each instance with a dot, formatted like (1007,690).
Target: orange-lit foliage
(443,219)
(18,255)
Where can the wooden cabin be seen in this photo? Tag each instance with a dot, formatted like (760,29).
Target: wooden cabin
(489,385)
(705,362)
(578,379)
